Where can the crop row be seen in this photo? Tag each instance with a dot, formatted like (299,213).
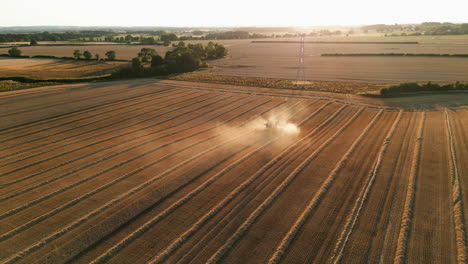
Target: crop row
(99,128)
(112,136)
(109,225)
(78,113)
(351,221)
(457,198)
(108,157)
(407,216)
(112,110)
(67,205)
(88,178)
(219,254)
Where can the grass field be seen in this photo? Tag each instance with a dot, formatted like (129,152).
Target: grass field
(51,68)
(149,171)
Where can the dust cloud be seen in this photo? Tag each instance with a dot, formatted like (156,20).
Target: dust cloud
(263,128)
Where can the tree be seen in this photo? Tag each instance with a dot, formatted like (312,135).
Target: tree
(110,55)
(33,42)
(146,54)
(182,59)
(136,63)
(198,49)
(87,55)
(171,37)
(221,51)
(77,54)
(97,56)
(157,61)
(464,28)
(14,52)
(167,42)
(210,50)
(181,44)
(147,41)
(187,63)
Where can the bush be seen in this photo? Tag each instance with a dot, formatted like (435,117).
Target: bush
(412,87)
(14,52)
(215,51)
(384,92)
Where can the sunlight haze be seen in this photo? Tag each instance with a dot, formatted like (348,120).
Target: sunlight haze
(208,13)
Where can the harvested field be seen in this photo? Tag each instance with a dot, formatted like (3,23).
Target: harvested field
(280,60)
(6,63)
(51,68)
(150,171)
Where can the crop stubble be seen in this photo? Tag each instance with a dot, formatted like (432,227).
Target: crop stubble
(174,174)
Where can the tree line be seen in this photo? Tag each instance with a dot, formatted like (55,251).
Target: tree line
(426,28)
(110,55)
(412,87)
(150,37)
(46,36)
(77,54)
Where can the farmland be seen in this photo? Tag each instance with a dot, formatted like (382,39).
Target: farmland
(149,171)
(280,60)
(52,68)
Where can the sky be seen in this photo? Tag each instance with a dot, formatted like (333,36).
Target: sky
(229,13)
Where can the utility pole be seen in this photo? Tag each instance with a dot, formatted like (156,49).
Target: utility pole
(300,78)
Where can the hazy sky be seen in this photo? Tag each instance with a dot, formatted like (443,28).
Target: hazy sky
(228,12)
